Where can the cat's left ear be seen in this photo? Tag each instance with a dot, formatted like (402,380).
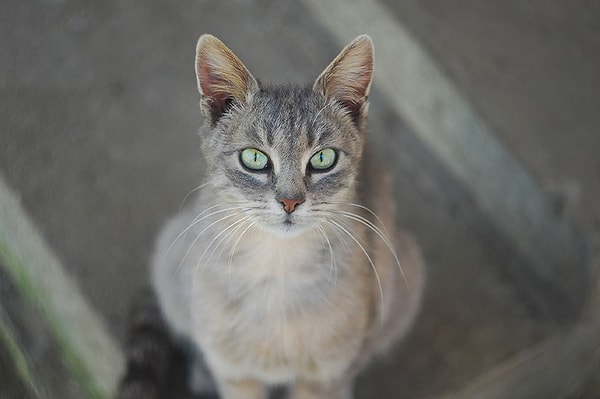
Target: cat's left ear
(347,79)
(222,77)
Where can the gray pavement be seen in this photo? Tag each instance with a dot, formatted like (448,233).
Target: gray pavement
(531,69)
(98,137)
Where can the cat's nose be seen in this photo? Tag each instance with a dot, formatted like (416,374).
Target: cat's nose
(290,204)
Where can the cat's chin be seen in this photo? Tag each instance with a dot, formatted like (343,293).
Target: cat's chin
(286,229)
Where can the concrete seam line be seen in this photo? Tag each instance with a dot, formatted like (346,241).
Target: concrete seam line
(85,342)
(413,83)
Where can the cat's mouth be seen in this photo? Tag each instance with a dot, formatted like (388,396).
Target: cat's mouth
(289,226)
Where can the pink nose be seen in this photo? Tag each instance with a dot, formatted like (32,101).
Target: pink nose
(290,204)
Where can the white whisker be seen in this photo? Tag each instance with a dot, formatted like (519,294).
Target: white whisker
(230,236)
(349,234)
(333,265)
(192,192)
(225,232)
(200,234)
(343,240)
(364,208)
(188,227)
(383,236)
(198,216)
(194,222)
(235,244)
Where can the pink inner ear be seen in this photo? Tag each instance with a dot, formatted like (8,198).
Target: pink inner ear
(363,81)
(363,73)
(210,83)
(348,78)
(352,93)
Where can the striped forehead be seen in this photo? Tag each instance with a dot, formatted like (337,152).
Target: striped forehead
(286,118)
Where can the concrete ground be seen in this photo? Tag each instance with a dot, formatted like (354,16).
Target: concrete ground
(98,137)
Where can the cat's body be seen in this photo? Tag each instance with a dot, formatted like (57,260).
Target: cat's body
(279,271)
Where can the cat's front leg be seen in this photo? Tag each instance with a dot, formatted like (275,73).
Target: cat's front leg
(338,389)
(241,389)
(203,381)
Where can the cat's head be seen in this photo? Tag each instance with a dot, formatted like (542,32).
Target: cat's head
(286,154)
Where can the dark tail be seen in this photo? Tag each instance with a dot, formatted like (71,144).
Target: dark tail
(149,351)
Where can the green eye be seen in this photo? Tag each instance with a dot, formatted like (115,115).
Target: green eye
(254,159)
(323,159)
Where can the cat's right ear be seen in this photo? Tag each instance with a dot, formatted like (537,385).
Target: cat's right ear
(222,77)
(347,79)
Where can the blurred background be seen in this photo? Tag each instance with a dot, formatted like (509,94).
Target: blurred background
(98,146)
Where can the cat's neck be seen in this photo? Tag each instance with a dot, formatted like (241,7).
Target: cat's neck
(274,254)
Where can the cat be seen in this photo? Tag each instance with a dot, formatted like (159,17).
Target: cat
(281,271)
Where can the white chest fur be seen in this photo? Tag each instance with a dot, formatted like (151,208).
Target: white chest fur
(274,310)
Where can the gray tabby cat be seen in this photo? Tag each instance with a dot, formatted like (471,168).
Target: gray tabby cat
(281,272)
